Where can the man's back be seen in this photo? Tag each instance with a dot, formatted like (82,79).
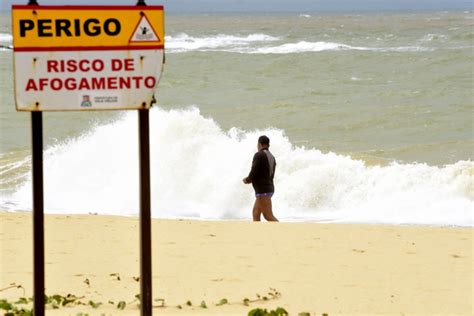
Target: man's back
(263,171)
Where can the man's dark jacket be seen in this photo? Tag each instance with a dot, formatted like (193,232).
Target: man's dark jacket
(262,172)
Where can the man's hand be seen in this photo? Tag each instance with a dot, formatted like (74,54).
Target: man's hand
(246,180)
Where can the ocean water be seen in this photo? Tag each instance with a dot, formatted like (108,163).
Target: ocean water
(370,117)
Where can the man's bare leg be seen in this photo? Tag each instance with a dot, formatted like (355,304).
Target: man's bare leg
(256,211)
(266,208)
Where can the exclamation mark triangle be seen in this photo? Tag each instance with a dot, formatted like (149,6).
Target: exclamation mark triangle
(144,32)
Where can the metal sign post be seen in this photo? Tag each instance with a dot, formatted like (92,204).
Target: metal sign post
(113,65)
(38,211)
(145,209)
(145,214)
(38,208)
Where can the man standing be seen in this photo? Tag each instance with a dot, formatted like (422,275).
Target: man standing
(261,176)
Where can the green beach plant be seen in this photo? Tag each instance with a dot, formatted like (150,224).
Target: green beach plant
(12,310)
(272,294)
(263,312)
(95,304)
(13,286)
(222,302)
(23,300)
(22,305)
(116,276)
(121,305)
(5,305)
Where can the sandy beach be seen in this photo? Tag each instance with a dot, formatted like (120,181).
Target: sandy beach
(354,117)
(340,269)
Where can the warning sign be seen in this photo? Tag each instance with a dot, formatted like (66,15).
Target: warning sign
(144,32)
(87,57)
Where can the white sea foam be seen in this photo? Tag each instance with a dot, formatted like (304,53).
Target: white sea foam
(184,43)
(196,172)
(5,37)
(433,37)
(258,44)
(305,47)
(302,47)
(307,16)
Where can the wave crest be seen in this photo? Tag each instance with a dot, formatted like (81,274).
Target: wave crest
(196,172)
(183,42)
(259,44)
(305,47)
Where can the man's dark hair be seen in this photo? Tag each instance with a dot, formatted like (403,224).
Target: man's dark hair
(264,140)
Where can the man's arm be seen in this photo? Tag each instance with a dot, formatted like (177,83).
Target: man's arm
(253,170)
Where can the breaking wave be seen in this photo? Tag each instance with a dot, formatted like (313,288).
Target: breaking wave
(196,172)
(305,47)
(183,42)
(259,44)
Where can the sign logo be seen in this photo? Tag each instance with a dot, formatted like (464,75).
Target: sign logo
(144,32)
(86,101)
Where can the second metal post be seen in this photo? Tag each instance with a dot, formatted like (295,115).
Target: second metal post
(38,212)
(145,214)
